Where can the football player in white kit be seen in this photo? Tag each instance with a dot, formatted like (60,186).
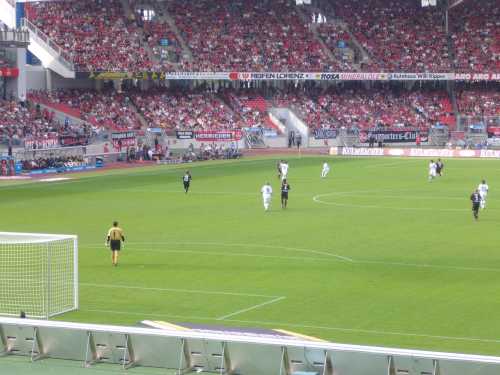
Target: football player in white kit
(432,170)
(483,192)
(284,170)
(325,170)
(267,192)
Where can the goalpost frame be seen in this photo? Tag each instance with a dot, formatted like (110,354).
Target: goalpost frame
(47,308)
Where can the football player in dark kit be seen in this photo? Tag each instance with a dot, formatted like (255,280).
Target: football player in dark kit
(285,188)
(439,167)
(186,180)
(476,203)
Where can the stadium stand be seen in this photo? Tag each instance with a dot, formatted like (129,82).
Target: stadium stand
(333,35)
(236,109)
(479,101)
(104,110)
(252,107)
(400,36)
(248,36)
(97,37)
(476,36)
(176,110)
(18,122)
(368,108)
(163,43)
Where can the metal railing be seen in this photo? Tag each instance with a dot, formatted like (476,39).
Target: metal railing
(18,36)
(62,56)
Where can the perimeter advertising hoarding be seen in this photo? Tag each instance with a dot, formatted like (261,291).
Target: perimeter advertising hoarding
(415,152)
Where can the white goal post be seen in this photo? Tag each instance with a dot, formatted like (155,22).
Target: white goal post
(38,274)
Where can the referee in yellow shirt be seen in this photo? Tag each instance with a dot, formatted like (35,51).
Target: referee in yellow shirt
(114,241)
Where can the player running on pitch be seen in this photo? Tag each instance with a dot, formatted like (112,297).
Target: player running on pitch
(285,188)
(483,192)
(186,181)
(325,170)
(267,192)
(476,203)
(284,170)
(432,170)
(278,166)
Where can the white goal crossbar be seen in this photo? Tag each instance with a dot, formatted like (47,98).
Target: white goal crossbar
(38,274)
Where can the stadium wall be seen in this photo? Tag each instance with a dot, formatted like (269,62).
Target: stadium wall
(36,77)
(58,82)
(40,78)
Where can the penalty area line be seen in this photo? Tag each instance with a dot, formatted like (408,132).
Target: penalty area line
(174,290)
(244,245)
(254,307)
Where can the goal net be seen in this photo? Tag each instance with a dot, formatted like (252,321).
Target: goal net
(38,274)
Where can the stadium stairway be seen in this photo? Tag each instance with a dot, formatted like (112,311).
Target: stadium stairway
(312,27)
(361,51)
(140,117)
(186,51)
(356,45)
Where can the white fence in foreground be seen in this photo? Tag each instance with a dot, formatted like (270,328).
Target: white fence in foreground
(243,354)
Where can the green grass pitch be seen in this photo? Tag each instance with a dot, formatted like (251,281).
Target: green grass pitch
(374,254)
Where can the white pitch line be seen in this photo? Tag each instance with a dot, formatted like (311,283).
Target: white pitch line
(424,265)
(296,325)
(252,255)
(322,259)
(246,245)
(194,291)
(274,300)
(216,253)
(317,200)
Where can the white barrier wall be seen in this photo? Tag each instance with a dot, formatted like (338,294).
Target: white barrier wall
(224,352)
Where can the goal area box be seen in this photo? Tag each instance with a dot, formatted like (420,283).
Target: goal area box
(38,274)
